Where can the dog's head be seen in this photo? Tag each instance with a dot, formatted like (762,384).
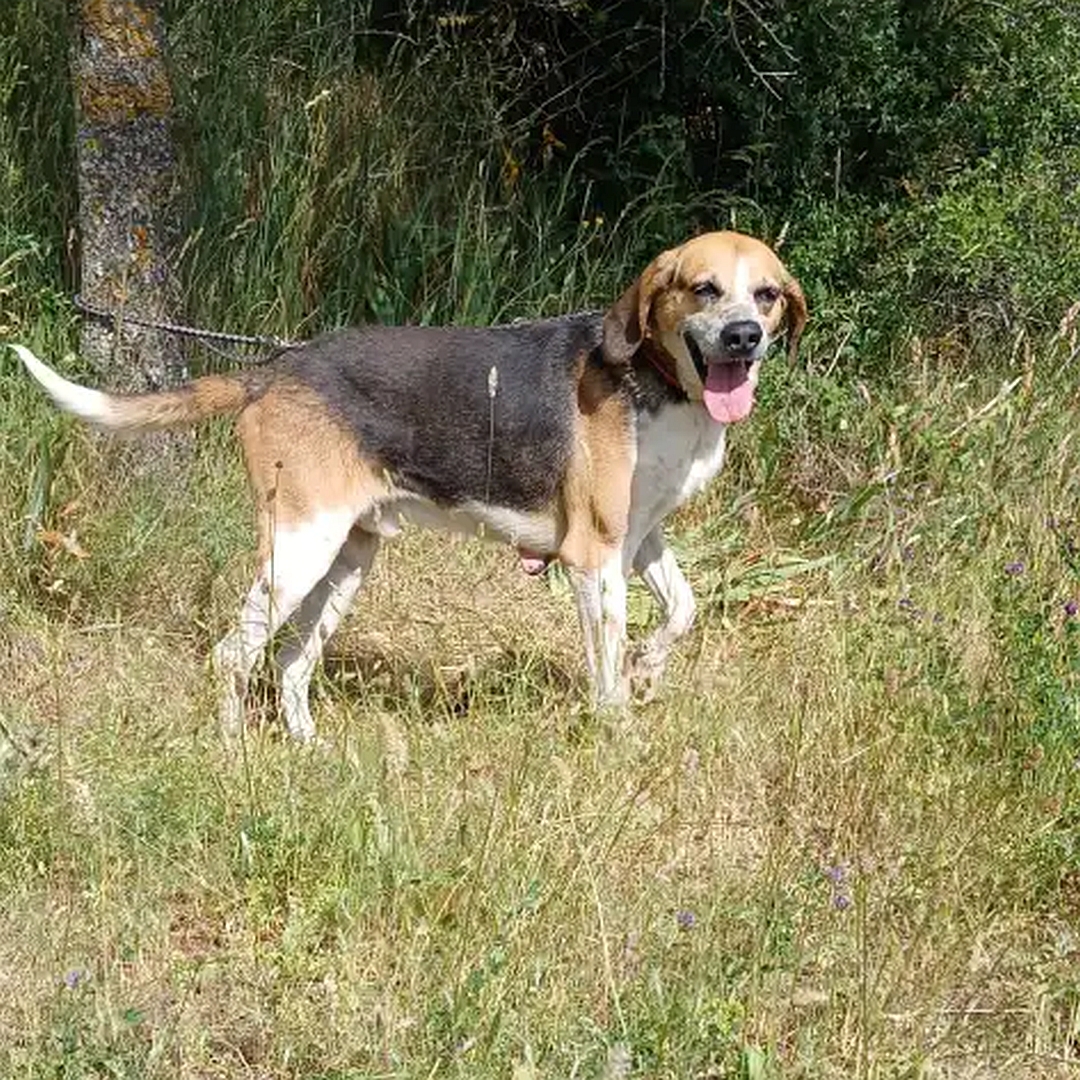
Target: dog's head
(713,305)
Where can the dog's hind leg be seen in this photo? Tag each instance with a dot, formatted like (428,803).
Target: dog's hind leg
(301,555)
(314,622)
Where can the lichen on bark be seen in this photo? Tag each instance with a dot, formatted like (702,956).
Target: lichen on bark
(127,181)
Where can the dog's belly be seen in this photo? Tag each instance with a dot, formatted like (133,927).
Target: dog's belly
(535,531)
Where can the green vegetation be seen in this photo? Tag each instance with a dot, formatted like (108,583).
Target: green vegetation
(843,842)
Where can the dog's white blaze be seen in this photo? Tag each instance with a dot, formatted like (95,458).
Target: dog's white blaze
(90,405)
(737,304)
(741,290)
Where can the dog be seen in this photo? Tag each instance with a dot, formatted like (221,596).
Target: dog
(570,438)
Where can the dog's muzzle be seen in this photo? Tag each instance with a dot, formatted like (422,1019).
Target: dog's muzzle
(723,351)
(720,340)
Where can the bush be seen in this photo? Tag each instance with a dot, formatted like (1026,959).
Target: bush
(474,162)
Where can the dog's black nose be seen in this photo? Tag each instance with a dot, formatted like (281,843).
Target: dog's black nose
(741,338)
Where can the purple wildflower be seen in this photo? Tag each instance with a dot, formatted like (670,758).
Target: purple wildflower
(1014,569)
(1071,608)
(687,920)
(905,603)
(73,978)
(837,873)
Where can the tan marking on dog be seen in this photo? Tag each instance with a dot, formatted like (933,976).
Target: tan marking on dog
(211,395)
(595,494)
(216,394)
(301,462)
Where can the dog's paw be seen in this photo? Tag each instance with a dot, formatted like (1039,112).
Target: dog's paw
(645,669)
(616,701)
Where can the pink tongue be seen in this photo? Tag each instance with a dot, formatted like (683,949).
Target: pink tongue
(729,396)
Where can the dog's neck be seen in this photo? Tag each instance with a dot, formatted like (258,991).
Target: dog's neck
(655,381)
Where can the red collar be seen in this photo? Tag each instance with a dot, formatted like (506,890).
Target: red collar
(654,359)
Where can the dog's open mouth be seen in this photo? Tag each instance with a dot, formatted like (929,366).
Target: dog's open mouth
(729,393)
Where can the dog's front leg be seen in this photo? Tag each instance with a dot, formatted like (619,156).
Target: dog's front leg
(656,564)
(601,604)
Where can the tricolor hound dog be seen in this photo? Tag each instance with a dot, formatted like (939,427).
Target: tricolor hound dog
(571,438)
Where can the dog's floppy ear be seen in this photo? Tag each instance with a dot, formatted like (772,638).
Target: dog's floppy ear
(795,311)
(627,319)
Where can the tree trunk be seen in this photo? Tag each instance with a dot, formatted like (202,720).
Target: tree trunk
(128,205)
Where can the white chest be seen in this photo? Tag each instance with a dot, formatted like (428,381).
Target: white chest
(680,449)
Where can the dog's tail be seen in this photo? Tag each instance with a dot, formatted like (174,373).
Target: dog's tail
(132,413)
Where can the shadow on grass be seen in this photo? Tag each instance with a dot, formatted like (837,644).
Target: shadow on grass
(365,676)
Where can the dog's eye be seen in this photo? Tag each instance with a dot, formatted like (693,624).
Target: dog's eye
(767,294)
(706,290)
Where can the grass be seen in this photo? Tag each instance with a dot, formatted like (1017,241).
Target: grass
(842,843)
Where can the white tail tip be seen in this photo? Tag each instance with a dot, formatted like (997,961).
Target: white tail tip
(90,405)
